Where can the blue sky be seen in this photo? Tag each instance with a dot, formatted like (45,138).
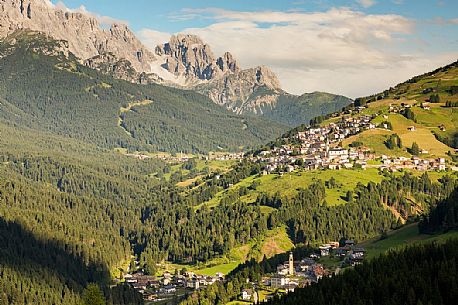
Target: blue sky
(158,14)
(334,45)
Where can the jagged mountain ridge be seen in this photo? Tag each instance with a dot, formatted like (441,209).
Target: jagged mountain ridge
(189,56)
(185,61)
(220,78)
(254,91)
(83,32)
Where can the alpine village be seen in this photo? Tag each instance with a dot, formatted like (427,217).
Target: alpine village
(141,167)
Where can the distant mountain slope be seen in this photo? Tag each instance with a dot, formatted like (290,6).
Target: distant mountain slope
(185,61)
(295,110)
(421,87)
(244,91)
(43,87)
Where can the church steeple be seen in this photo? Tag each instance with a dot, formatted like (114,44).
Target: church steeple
(291,263)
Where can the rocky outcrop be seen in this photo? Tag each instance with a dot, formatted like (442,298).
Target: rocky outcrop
(189,56)
(85,37)
(237,91)
(220,78)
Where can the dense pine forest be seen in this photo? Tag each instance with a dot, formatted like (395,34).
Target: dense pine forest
(443,217)
(94,208)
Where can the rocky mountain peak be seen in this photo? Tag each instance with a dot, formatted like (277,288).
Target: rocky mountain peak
(265,76)
(220,78)
(85,37)
(188,55)
(228,63)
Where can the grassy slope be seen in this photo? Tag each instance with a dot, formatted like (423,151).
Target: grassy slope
(426,120)
(407,235)
(439,81)
(273,242)
(423,136)
(438,115)
(374,139)
(289,184)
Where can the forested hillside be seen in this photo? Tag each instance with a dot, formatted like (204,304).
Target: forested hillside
(63,206)
(73,213)
(294,110)
(42,89)
(443,217)
(311,221)
(420,274)
(94,208)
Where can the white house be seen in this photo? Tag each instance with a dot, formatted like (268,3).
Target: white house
(246,294)
(324,249)
(279,282)
(337,153)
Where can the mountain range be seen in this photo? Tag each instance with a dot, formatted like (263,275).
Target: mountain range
(44,87)
(184,62)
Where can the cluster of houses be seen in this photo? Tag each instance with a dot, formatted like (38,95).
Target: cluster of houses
(352,255)
(225,156)
(293,274)
(288,276)
(152,287)
(397,163)
(318,148)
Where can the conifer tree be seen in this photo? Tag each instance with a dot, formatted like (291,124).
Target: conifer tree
(92,295)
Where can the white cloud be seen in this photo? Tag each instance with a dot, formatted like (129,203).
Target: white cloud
(103,20)
(152,38)
(366,3)
(340,51)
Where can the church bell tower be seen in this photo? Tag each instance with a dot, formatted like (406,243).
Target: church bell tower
(291,263)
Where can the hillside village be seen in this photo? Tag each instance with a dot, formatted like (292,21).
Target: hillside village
(289,275)
(319,148)
(168,285)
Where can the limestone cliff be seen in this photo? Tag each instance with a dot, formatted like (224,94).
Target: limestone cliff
(85,37)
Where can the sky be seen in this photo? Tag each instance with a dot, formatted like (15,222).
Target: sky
(348,47)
